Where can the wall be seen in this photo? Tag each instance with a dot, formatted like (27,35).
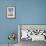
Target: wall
(6,25)
(27,12)
(31,11)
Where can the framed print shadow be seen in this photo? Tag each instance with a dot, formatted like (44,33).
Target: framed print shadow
(11,12)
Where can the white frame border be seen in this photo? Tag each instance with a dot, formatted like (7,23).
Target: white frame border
(14,12)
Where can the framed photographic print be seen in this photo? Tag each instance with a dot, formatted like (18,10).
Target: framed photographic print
(11,12)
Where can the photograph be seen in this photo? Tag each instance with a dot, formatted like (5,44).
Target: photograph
(11,12)
(28,33)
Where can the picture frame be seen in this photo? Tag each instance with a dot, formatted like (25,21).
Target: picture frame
(33,31)
(11,12)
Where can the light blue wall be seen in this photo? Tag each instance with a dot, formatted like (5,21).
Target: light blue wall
(27,12)
(31,11)
(6,25)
